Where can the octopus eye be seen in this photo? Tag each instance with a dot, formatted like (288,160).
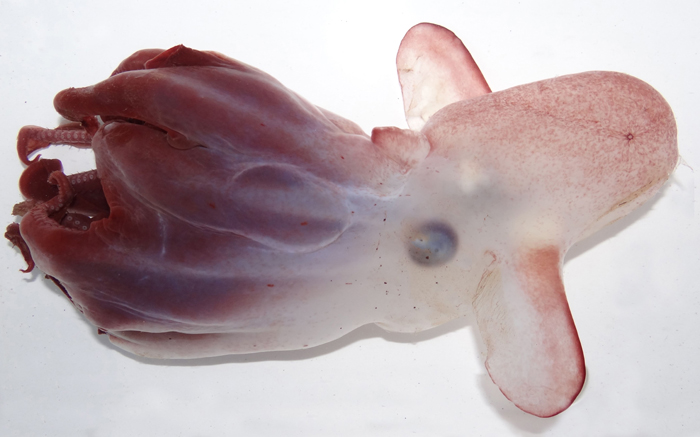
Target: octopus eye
(433,244)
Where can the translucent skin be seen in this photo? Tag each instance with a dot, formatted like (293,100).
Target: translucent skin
(228,215)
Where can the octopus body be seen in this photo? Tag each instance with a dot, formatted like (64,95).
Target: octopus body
(227,214)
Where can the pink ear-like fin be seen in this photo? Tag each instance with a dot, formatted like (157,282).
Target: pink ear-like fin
(435,70)
(534,354)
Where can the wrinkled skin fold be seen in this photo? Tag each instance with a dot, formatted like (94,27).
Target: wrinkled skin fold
(227,214)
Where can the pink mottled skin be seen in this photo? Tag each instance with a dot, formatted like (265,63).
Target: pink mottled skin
(229,215)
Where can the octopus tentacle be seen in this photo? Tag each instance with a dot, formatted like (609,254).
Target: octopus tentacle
(12,233)
(33,138)
(52,211)
(89,196)
(34,185)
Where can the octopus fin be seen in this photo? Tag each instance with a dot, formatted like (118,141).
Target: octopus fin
(534,354)
(435,70)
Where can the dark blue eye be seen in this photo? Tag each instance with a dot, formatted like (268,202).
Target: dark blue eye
(433,244)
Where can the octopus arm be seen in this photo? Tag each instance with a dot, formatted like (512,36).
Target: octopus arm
(276,204)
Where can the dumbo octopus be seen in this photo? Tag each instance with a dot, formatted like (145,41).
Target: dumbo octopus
(228,215)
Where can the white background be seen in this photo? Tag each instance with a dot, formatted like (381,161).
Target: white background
(633,287)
